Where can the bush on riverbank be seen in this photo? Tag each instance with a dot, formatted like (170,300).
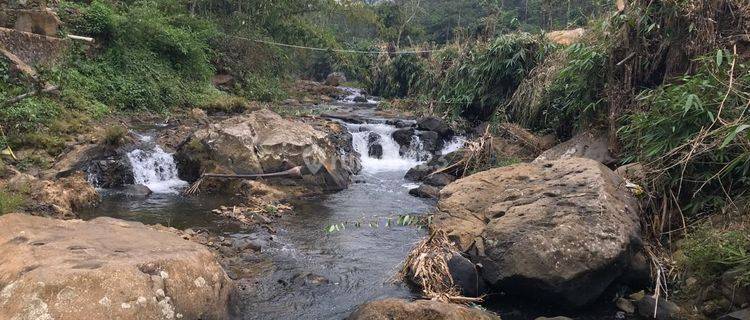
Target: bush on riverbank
(467,81)
(709,252)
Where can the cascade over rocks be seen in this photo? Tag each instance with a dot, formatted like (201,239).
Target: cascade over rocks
(264,142)
(105,269)
(112,172)
(398,309)
(403,136)
(374,146)
(560,231)
(430,141)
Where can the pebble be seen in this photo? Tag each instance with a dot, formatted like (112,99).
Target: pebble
(625,305)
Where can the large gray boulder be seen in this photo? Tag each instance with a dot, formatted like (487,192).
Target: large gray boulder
(560,231)
(105,269)
(264,142)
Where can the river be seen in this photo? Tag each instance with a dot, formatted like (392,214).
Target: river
(315,272)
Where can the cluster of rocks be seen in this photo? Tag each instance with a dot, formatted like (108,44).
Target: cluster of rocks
(433,175)
(510,142)
(314,93)
(238,254)
(561,229)
(432,132)
(715,298)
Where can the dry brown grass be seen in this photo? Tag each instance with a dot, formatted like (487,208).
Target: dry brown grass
(427,267)
(532,94)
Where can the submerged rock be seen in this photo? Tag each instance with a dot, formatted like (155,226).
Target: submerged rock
(559,231)
(398,309)
(431,141)
(439,179)
(374,146)
(135,191)
(399,123)
(420,172)
(105,269)
(112,172)
(264,142)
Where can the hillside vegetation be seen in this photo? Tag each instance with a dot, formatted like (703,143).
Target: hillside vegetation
(668,80)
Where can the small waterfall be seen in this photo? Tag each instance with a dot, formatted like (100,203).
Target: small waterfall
(353,93)
(391,160)
(450,146)
(155,168)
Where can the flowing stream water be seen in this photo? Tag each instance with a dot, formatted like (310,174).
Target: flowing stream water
(314,274)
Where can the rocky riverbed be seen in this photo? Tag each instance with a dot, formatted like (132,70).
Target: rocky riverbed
(559,231)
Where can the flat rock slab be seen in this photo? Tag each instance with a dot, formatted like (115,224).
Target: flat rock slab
(105,269)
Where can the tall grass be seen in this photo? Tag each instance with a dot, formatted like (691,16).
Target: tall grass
(693,136)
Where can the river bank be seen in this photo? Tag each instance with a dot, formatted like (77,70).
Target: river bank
(324,244)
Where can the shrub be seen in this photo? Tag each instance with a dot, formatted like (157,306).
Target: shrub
(10,201)
(221,102)
(471,82)
(97,20)
(114,136)
(692,135)
(28,114)
(576,93)
(709,252)
(398,77)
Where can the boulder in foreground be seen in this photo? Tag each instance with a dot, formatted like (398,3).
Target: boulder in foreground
(105,269)
(398,309)
(559,231)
